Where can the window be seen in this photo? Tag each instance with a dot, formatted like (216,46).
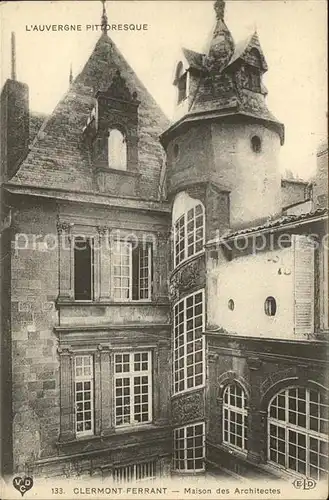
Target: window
(189,448)
(298,431)
(189,234)
(188,342)
(132,271)
(176,151)
(135,472)
(133,388)
(256,144)
(235,417)
(182,88)
(254,79)
(84,397)
(117,150)
(270,306)
(83,268)
(231,305)
(181,79)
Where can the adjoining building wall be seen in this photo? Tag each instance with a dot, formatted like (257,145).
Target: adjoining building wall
(261,368)
(248,281)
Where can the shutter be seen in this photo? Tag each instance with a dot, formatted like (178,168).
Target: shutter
(303,249)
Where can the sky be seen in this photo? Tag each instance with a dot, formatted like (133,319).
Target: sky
(292,33)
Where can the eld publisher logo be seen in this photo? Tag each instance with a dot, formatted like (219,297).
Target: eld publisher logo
(23,484)
(304,484)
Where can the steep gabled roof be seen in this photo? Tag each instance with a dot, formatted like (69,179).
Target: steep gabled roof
(194,59)
(249,43)
(58,157)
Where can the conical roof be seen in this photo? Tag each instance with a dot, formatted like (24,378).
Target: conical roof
(222,44)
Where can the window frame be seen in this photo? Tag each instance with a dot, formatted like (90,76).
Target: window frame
(187,233)
(185,448)
(177,347)
(150,257)
(91,239)
(82,379)
(236,410)
(297,429)
(131,374)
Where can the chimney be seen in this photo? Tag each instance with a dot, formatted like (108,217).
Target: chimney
(14,106)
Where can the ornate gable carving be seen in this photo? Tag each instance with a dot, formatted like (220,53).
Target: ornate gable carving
(118,89)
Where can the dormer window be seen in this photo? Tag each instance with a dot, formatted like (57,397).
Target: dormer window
(181,81)
(254,79)
(182,88)
(117,150)
(254,70)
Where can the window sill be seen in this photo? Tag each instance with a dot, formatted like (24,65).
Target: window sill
(268,467)
(109,433)
(118,171)
(188,473)
(187,391)
(71,302)
(234,451)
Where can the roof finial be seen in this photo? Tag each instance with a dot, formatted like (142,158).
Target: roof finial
(71,74)
(104,19)
(219,7)
(13,56)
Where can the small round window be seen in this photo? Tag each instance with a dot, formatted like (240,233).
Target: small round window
(176,150)
(256,144)
(270,306)
(231,305)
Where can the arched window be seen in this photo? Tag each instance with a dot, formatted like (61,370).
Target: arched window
(235,417)
(189,233)
(117,150)
(298,431)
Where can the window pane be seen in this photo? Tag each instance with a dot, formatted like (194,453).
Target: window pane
(235,417)
(133,396)
(188,342)
(84,394)
(189,448)
(296,442)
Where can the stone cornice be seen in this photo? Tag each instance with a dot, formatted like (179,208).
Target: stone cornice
(105,328)
(88,197)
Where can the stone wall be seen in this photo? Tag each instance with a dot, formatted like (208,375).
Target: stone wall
(42,329)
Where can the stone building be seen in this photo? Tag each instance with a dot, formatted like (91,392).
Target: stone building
(165,292)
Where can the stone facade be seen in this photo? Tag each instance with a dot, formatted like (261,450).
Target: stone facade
(202,319)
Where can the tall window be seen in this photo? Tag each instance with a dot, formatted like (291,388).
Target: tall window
(189,234)
(133,388)
(132,271)
(189,444)
(298,431)
(235,417)
(188,342)
(84,395)
(83,268)
(117,150)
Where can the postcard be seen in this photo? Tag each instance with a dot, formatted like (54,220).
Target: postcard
(164,250)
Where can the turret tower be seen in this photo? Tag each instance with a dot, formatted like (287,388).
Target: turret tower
(225,138)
